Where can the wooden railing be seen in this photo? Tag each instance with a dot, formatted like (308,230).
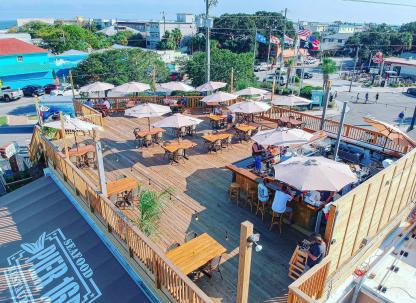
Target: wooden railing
(351,132)
(161,270)
(88,114)
(310,286)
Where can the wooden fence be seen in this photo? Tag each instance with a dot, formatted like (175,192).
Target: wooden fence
(162,271)
(358,223)
(88,114)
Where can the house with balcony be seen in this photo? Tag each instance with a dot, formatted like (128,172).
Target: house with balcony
(22,64)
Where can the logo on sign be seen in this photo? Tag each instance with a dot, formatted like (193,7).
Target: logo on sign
(44,108)
(52,269)
(378,57)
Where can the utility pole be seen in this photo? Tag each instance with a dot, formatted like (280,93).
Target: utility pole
(164,22)
(207,44)
(412,124)
(283,46)
(295,60)
(270,44)
(341,126)
(255,49)
(232,80)
(355,66)
(326,99)
(302,74)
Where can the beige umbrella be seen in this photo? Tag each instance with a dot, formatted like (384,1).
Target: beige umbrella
(131,87)
(391,132)
(251,91)
(314,173)
(177,121)
(218,97)
(282,137)
(175,86)
(147,110)
(210,86)
(290,100)
(249,107)
(96,87)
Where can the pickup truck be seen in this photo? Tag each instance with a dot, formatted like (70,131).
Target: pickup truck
(8,94)
(63,91)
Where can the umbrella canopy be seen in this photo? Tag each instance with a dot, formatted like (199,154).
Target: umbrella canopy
(74,124)
(131,87)
(290,100)
(177,121)
(392,132)
(147,110)
(314,173)
(249,107)
(282,137)
(251,91)
(210,86)
(175,86)
(218,97)
(96,87)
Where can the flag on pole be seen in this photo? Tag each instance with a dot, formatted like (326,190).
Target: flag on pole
(304,33)
(315,42)
(288,40)
(260,38)
(274,40)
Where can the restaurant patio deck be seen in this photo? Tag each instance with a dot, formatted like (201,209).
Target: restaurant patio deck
(199,203)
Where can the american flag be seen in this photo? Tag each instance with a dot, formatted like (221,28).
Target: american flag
(304,32)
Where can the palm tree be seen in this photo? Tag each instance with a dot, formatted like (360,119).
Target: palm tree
(328,67)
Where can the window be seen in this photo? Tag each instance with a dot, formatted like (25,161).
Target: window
(19,58)
(340,41)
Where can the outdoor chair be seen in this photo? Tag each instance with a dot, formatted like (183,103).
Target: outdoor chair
(251,197)
(179,155)
(190,235)
(192,130)
(159,138)
(90,159)
(247,135)
(216,146)
(148,140)
(234,192)
(261,208)
(74,160)
(213,266)
(135,131)
(277,219)
(173,246)
(182,132)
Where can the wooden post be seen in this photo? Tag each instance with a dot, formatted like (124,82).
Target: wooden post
(72,84)
(63,134)
(244,262)
(232,80)
(273,87)
(100,166)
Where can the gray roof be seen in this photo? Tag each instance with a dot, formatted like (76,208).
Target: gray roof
(338,36)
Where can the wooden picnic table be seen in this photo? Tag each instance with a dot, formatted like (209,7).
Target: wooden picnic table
(286,120)
(152,132)
(215,137)
(81,150)
(217,117)
(196,253)
(173,146)
(122,185)
(245,128)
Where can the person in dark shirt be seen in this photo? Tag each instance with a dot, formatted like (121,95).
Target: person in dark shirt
(316,251)
(257,149)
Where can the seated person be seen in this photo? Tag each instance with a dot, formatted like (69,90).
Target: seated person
(316,251)
(329,196)
(183,101)
(279,203)
(89,103)
(285,154)
(217,111)
(262,192)
(230,118)
(107,104)
(313,197)
(257,149)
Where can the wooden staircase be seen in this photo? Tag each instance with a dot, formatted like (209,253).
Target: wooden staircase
(297,263)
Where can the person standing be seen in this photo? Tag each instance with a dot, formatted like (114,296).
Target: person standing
(358,98)
(401,117)
(316,251)
(366,97)
(377,96)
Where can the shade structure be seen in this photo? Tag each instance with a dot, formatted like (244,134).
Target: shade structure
(73,124)
(251,91)
(210,86)
(131,87)
(290,100)
(282,137)
(96,87)
(218,97)
(249,107)
(175,86)
(147,110)
(314,173)
(391,132)
(177,121)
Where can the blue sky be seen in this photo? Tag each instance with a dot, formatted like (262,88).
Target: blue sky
(314,10)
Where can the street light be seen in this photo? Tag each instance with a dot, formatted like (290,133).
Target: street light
(253,239)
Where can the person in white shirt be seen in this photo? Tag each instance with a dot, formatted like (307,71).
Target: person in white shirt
(279,203)
(313,197)
(107,104)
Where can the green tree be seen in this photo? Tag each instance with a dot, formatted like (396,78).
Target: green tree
(222,62)
(122,37)
(168,42)
(196,43)
(328,67)
(121,66)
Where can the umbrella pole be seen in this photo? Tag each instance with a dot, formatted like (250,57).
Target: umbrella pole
(63,134)
(148,122)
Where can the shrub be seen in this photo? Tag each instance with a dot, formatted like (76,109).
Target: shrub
(182,93)
(306,91)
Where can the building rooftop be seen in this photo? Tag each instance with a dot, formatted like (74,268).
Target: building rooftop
(13,46)
(400,61)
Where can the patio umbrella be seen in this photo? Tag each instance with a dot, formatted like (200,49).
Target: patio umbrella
(210,86)
(314,173)
(282,137)
(96,87)
(249,107)
(131,87)
(147,110)
(218,97)
(177,121)
(290,100)
(251,91)
(175,86)
(391,132)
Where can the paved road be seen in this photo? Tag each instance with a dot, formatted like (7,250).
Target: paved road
(24,106)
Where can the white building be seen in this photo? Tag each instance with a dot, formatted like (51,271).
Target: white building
(156,29)
(103,23)
(25,37)
(315,27)
(334,41)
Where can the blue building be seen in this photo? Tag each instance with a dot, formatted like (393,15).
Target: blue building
(65,61)
(22,64)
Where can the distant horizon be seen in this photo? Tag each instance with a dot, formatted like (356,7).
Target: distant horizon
(319,11)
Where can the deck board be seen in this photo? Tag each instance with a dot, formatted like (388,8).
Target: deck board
(201,184)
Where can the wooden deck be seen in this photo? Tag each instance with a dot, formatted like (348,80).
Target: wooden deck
(200,187)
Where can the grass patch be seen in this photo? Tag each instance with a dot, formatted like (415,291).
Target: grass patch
(32,118)
(3,120)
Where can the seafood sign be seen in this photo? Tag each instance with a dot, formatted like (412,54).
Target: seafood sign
(52,269)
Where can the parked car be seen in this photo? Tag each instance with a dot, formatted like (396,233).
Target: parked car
(63,91)
(269,78)
(50,87)
(33,90)
(411,91)
(8,94)
(263,66)
(306,75)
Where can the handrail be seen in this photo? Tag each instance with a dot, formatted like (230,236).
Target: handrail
(310,285)
(87,113)
(164,273)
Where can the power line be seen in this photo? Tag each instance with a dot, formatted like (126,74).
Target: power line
(383,3)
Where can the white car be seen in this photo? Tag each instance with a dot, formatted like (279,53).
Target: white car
(63,91)
(262,67)
(9,94)
(269,78)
